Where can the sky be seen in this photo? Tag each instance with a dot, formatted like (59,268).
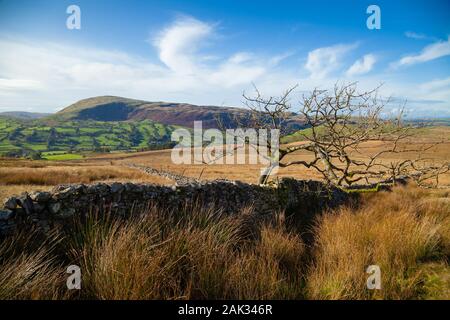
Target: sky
(210,52)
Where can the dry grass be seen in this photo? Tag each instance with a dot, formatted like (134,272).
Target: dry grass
(61,175)
(199,253)
(10,190)
(28,271)
(397,231)
(161,159)
(15,180)
(18,175)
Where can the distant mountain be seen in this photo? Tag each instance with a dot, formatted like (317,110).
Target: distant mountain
(110,108)
(24,115)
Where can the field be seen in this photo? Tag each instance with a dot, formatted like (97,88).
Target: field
(198,253)
(63,140)
(36,174)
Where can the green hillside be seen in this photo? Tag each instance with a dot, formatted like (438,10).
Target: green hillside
(104,108)
(60,140)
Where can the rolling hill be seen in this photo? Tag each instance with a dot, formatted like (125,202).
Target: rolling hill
(110,108)
(24,115)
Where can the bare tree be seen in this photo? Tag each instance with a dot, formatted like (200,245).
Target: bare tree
(350,136)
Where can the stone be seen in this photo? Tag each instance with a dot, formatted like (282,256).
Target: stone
(26,203)
(294,196)
(39,207)
(6,214)
(65,193)
(116,187)
(11,203)
(41,196)
(54,207)
(102,189)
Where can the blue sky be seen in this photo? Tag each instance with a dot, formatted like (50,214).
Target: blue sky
(209,52)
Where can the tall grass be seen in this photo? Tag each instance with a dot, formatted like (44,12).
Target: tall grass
(396,231)
(30,271)
(198,252)
(60,175)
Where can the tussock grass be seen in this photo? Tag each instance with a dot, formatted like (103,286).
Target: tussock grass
(30,271)
(198,252)
(397,231)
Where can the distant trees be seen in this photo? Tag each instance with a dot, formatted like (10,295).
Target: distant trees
(96,144)
(15,134)
(52,139)
(24,153)
(135,136)
(33,137)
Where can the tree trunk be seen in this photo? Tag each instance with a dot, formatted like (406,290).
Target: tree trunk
(265,174)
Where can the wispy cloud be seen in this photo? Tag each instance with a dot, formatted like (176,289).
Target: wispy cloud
(323,61)
(437,89)
(50,72)
(436,84)
(21,84)
(362,66)
(186,68)
(177,44)
(433,51)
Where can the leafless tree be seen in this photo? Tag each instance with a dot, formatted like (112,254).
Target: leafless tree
(350,136)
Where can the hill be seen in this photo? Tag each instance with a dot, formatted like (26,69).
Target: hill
(107,123)
(61,140)
(24,115)
(111,108)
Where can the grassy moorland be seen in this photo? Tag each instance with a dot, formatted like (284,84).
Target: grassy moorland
(24,175)
(18,175)
(197,253)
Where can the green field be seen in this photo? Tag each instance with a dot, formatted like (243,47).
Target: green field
(61,155)
(63,140)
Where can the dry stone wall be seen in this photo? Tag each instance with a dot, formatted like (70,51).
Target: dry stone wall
(45,210)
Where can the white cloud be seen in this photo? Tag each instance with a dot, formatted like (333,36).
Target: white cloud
(362,66)
(55,75)
(436,84)
(437,89)
(241,57)
(46,76)
(433,51)
(322,61)
(178,43)
(23,84)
